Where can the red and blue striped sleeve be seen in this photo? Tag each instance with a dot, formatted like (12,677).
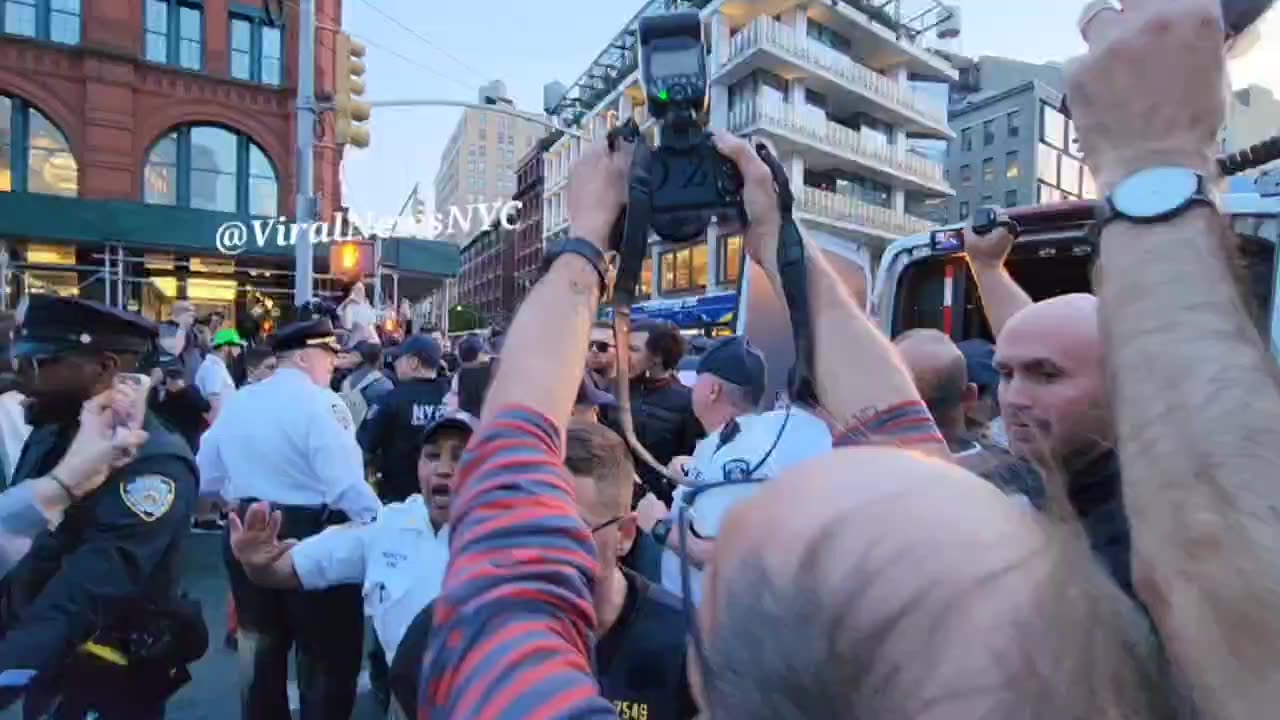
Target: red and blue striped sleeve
(512,628)
(908,424)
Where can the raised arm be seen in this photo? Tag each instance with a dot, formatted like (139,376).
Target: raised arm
(512,625)
(1195,394)
(1002,296)
(860,380)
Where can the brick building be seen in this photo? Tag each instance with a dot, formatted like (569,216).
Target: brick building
(486,286)
(527,254)
(131,132)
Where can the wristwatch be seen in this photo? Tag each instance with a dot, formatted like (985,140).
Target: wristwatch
(1155,195)
(584,249)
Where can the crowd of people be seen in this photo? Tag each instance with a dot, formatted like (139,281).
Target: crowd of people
(1067,520)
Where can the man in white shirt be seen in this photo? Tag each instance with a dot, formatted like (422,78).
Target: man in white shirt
(740,445)
(399,558)
(213,379)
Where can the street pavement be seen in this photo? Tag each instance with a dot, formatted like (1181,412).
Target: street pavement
(214,691)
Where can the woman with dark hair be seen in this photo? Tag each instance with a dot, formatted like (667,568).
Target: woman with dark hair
(661,406)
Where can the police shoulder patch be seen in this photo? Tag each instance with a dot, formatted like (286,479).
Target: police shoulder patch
(148,496)
(342,414)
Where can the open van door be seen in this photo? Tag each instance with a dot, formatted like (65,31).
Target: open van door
(762,316)
(923,283)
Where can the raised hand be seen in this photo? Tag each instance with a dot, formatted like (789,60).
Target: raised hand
(255,541)
(990,250)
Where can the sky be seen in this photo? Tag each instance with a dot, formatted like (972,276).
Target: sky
(432,49)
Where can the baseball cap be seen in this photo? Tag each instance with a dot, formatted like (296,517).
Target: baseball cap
(423,347)
(454,419)
(227,336)
(735,360)
(470,348)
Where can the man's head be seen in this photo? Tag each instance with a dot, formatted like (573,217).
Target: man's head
(357,292)
(656,347)
(1052,381)
(184,314)
(731,380)
(259,363)
(309,346)
(938,368)
(979,358)
(442,446)
(602,354)
(603,476)
(898,586)
(228,344)
(68,350)
(472,349)
(417,357)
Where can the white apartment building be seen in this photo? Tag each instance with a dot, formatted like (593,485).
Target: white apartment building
(846,90)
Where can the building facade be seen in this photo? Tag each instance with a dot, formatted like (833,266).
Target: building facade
(1015,147)
(527,254)
(1252,116)
(132,133)
(850,97)
(486,282)
(478,164)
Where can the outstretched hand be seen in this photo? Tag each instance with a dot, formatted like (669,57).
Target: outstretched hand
(255,541)
(99,446)
(990,250)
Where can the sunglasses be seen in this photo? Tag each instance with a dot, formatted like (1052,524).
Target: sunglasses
(599,346)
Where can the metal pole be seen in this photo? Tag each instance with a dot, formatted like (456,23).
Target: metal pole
(377,248)
(305,118)
(124,304)
(500,109)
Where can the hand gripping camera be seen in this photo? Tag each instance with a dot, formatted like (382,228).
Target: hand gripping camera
(689,182)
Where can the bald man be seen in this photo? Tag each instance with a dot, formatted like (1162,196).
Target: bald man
(1055,405)
(915,592)
(941,375)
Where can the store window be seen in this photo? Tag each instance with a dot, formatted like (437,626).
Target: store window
(54,20)
(730,258)
(646,278)
(44,275)
(256,50)
(1070,175)
(34,153)
(1053,127)
(684,269)
(174,32)
(209,167)
(1048,164)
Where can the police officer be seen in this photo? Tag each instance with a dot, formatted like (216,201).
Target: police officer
(392,431)
(289,441)
(93,608)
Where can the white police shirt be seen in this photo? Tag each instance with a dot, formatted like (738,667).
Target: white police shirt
(399,559)
(718,457)
(288,441)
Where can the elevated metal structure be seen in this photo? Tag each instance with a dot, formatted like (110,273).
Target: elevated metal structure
(907,19)
(613,65)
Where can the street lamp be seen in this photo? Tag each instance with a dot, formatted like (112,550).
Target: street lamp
(476,318)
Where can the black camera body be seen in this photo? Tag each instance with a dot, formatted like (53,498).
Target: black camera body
(692,181)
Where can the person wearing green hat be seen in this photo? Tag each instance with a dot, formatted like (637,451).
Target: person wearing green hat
(213,379)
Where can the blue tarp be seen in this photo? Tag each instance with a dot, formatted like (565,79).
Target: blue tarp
(690,313)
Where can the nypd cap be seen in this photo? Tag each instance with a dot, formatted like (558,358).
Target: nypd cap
(306,334)
(53,325)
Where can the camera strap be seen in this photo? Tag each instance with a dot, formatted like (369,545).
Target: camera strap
(631,240)
(795,284)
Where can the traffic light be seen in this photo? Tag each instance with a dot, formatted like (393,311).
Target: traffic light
(419,210)
(351,259)
(348,84)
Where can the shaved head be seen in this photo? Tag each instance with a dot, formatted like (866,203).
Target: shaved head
(914,590)
(1052,381)
(938,368)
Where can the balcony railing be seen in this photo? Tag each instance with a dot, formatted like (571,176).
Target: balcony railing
(764,31)
(846,209)
(833,136)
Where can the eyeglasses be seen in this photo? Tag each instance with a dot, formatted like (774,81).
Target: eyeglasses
(599,346)
(611,521)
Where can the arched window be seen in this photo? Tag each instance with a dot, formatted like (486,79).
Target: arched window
(34,154)
(208,167)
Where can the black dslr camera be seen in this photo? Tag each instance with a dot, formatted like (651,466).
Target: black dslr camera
(691,181)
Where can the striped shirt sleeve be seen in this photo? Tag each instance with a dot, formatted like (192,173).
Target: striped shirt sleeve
(908,425)
(511,638)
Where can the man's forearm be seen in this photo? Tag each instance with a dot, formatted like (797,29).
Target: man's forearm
(1002,297)
(541,364)
(856,368)
(1198,423)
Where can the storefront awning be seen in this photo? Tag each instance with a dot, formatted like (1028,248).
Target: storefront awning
(48,218)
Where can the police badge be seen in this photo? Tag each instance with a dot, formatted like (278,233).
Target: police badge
(148,496)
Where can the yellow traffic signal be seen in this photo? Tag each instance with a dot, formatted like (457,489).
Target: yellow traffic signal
(348,69)
(351,260)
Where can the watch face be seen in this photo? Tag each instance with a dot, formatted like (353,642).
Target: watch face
(1155,192)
